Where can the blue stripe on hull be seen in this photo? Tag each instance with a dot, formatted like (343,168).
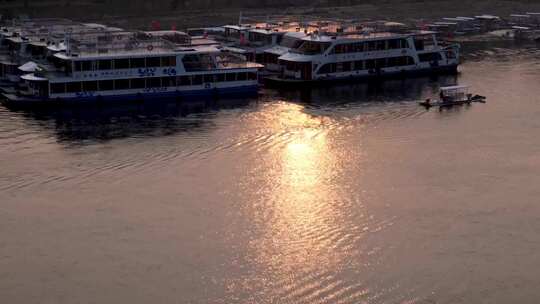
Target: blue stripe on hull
(244,91)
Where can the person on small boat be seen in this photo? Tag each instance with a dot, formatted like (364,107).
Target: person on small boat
(442,96)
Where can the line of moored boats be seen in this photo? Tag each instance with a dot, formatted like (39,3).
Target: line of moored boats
(57,61)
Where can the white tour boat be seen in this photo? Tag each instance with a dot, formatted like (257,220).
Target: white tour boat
(133,69)
(321,58)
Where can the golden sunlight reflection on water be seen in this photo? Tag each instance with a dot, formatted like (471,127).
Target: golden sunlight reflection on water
(306,231)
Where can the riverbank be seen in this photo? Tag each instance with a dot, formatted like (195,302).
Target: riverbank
(135,15)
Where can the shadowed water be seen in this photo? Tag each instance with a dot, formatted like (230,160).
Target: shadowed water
(345,194)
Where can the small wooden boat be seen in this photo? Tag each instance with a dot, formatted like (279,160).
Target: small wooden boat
(453,96)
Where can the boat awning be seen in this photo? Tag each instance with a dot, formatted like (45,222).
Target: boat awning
(29,67)
(32,77)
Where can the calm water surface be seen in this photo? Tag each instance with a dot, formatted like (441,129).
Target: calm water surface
(350,194)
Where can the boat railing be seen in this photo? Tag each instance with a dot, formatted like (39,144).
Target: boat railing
(119,45)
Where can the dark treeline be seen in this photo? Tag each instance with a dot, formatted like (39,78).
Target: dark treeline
(163,5)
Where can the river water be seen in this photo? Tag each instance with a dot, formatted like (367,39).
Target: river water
(347,194)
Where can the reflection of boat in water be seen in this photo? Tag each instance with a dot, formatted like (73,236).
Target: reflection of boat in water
(76,124)
(452,96)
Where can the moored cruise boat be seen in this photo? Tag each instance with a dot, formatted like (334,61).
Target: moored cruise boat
(322,58)
(290,40)
(140,70)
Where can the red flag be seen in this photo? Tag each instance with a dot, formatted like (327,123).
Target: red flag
(173,27)
(156,26)
(242,39)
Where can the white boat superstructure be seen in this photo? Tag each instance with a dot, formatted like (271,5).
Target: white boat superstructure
(127,68)
(349,56)
(290,40)
(38,41)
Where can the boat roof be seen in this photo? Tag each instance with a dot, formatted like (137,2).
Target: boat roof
(165,32)
(32,77)
(487,17)
(445,23)
(364,36)
(143,52)
(454,88)
(236,27)
(277,50)
(347,37)
(265,31)
(298,35)
(465,18)
(28,67)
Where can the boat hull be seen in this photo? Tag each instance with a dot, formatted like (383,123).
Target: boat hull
(12,100)
(275,81)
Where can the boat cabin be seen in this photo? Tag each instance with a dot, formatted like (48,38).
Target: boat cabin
(454,93)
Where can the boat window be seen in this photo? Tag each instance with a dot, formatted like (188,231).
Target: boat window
(167,82)
(346,66)
(381,45)
(338,49)
(419,44)
(393,61)
(450,55)
(152,62)
(77,65)
(68,67)
(197,79)
(106,85)
(313,47)
(86,66)
(370,64)
(372,46)
(220,77)
(327,68)
(252,76)
(381,63)
(429,57)
(290,42)
(230,77)
(89,86)
(104,64)
(271,58)
(137,63)
(260,37)
(58,88)
(73,87)
(358,65)
(404,44)
(192,63)
(153,82)
(394,44)
(120,64)
(208,78)
(241,76)
(121,84)
(347,48)
(358,47)
(183,80)
(138,83)
(168,61)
